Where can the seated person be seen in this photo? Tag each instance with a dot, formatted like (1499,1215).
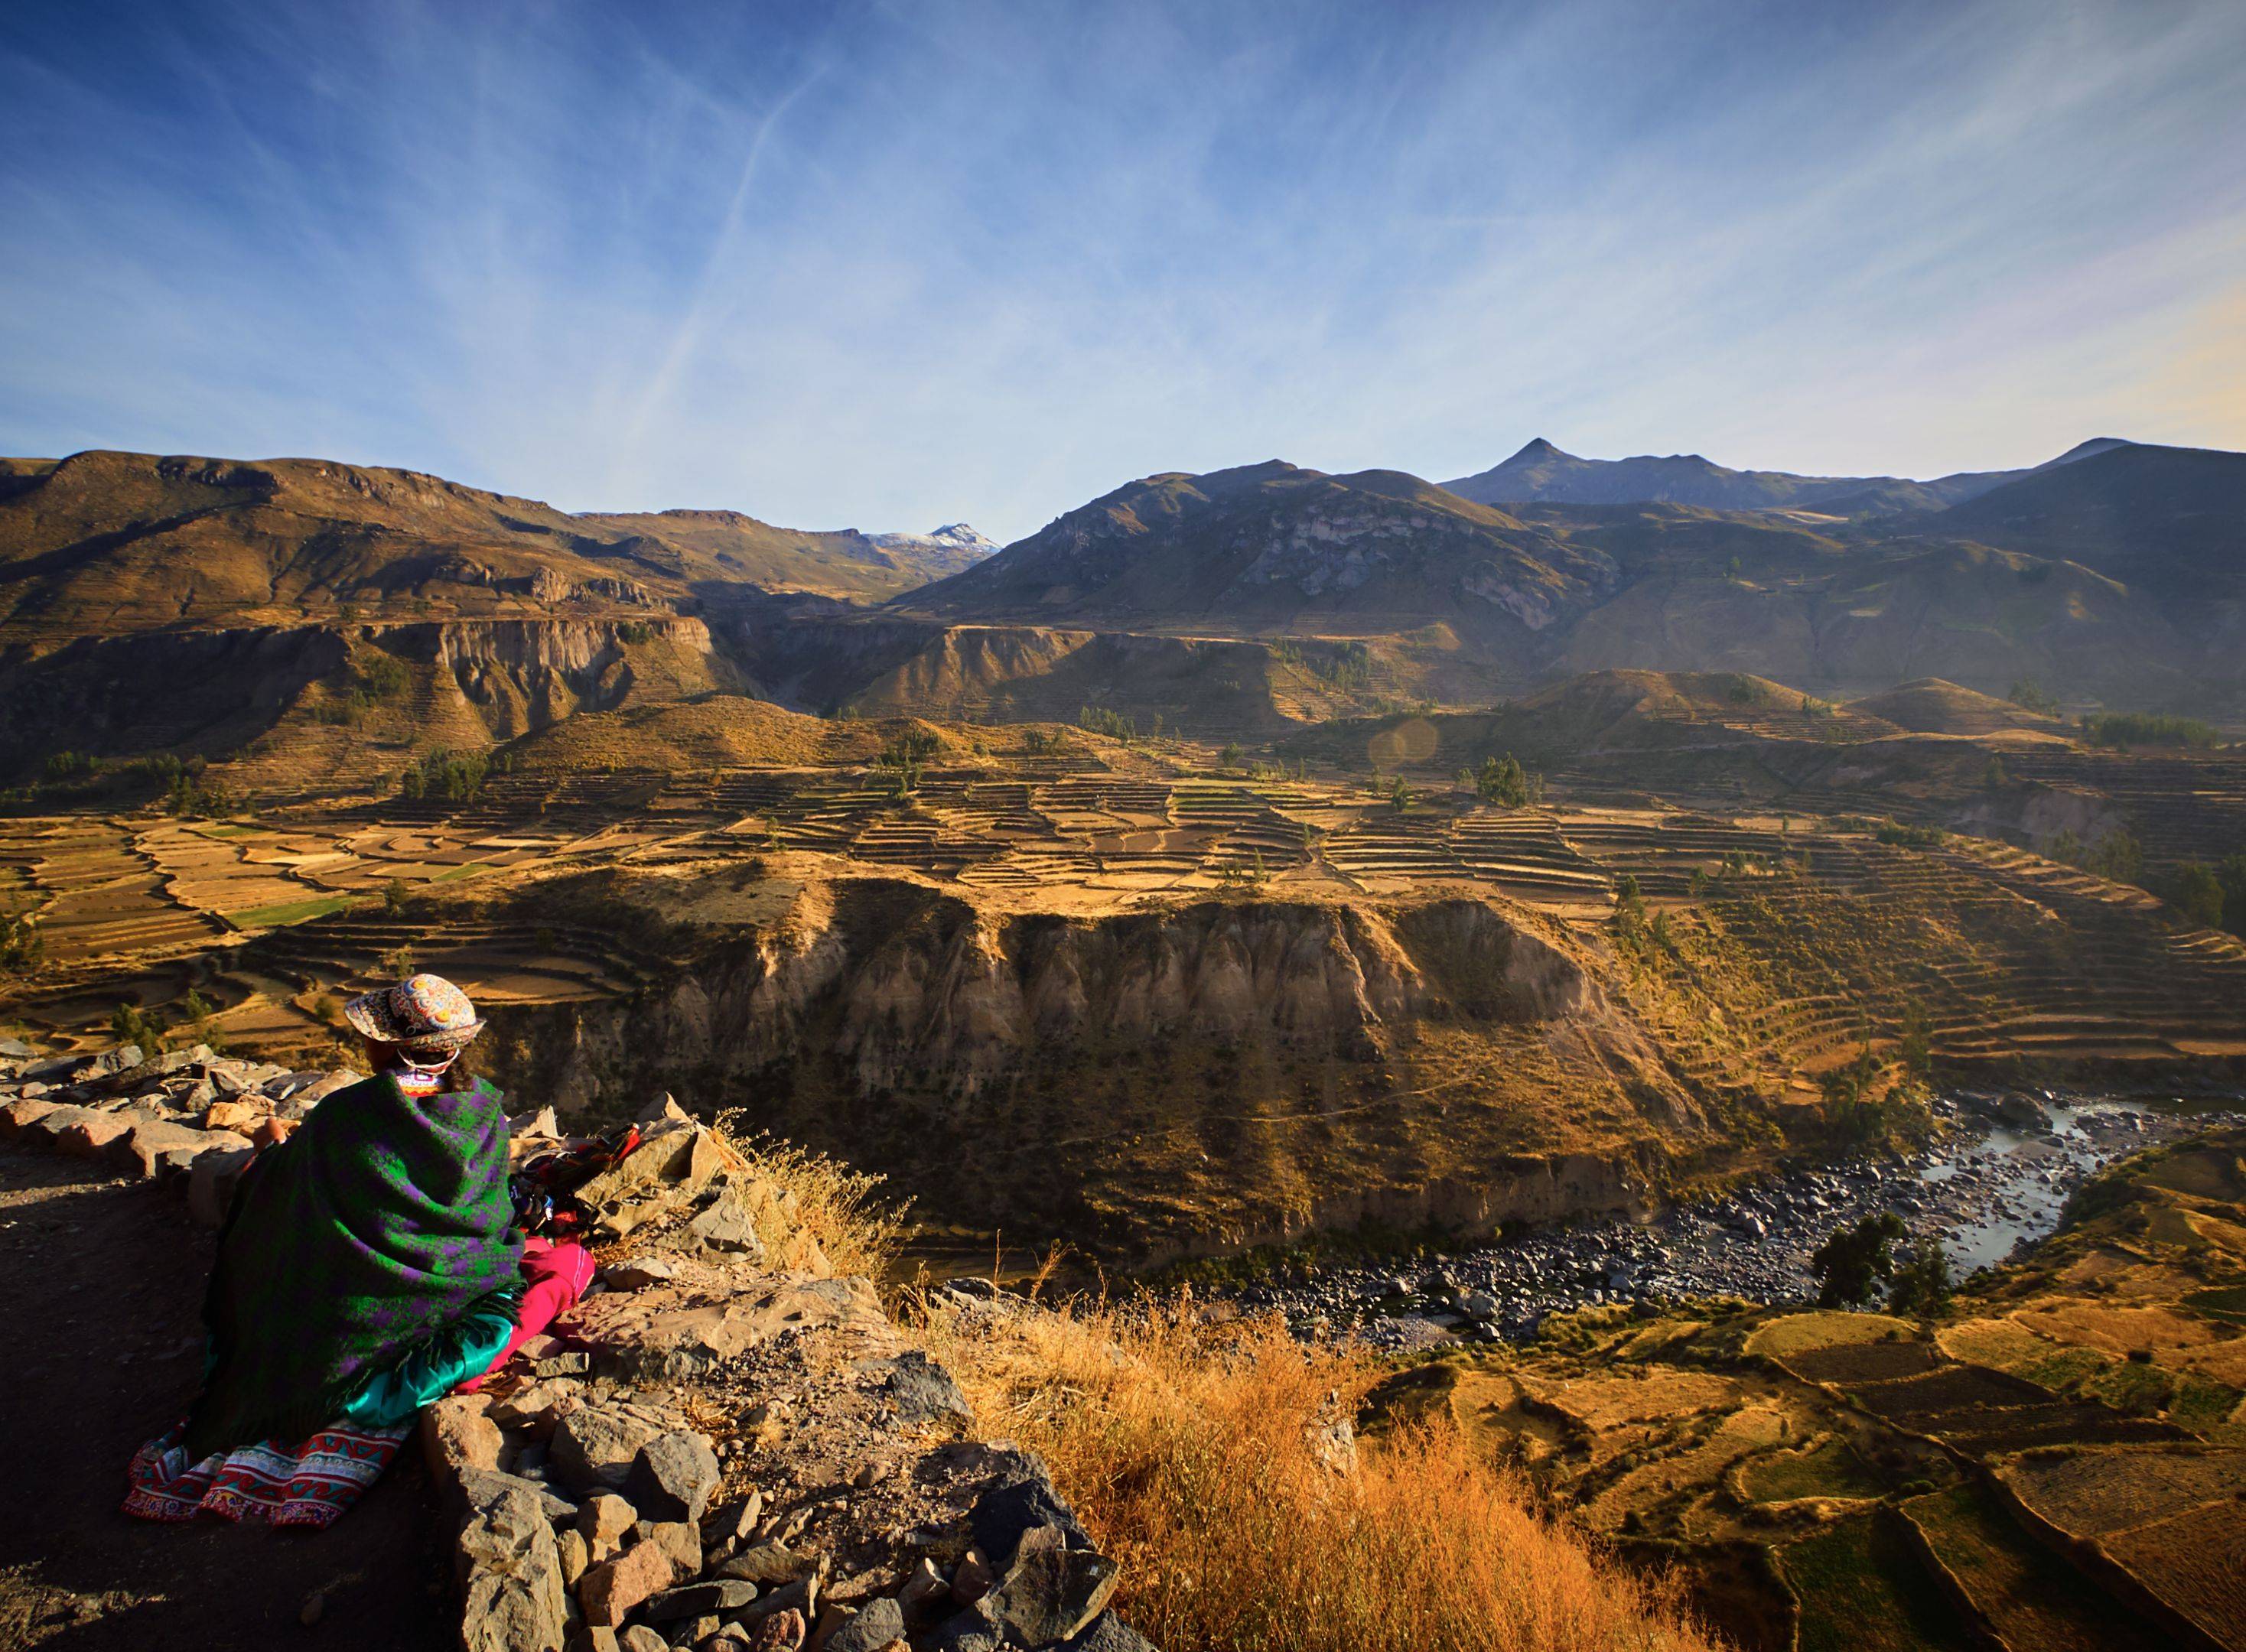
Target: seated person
(368,1266)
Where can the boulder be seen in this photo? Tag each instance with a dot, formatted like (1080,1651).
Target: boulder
(924,1393)
(19,1116)
(481,1485)
(727,1227)
(458,1435)
(234,1115)
(155,1147)
(1023,1500)
(593,1446)
(681,1542)
(640,1638)
(211,1182)
(925,1594)
(515,1599)
(576,1553)
(672,1477)
(1052,1589)
(769,1564)
(605,1520)
(80,1131)
(609,1591)
(879,1623)
(724,1594)
(971,1630)
(1108,1633)
(539,1408)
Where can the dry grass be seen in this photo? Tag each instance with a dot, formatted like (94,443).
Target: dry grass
(859,1229)
(1193,1453)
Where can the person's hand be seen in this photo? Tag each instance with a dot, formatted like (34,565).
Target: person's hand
(272,1132)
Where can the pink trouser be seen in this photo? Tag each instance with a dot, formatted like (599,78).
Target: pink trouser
(555,1276)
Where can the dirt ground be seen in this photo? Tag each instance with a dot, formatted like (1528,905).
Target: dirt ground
(100,1286)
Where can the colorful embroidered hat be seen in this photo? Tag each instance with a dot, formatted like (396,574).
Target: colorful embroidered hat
(421,1012)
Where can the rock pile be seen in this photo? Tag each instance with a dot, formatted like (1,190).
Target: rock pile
(727,1447)
(184,1115)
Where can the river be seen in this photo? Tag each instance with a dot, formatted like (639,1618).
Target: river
(1997,1176)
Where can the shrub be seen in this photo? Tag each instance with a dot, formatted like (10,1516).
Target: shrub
(1921,1284)
(2116,856)
(1206,1460)
(1504,782)
(2122,730)
(23,946)
(843,1209)
(2028,695)
(1850,1264)
(2198,894)
(1098,719)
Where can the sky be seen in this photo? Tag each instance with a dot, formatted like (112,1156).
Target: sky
(892,265)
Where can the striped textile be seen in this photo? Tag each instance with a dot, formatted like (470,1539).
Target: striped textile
(309,1485)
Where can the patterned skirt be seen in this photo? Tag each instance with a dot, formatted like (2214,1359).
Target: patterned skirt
(306,1485)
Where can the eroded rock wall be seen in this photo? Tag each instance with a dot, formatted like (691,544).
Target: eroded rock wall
(1236,1068)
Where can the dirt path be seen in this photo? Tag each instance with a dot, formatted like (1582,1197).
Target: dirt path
(100,1285)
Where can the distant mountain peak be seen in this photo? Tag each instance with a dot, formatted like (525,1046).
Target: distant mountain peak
(2090,449)
(1536,450)
(946,550)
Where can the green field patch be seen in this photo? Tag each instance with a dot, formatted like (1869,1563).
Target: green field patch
(2139,1388)
(1827,1470)
(1796,1333)
(453,874)
(289,912)
(1862,1590)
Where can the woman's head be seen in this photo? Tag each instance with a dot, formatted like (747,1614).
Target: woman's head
(415,1028)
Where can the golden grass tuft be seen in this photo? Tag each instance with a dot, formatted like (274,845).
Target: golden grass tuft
(859,1231)
(1193,1454)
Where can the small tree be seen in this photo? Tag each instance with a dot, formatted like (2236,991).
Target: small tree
(1851,1264)
(2199,894)
(1399,795)
(1231,756)
(1921,1284)
(394,898)
(1993,774)
(905,757)
(1917,1047)
(1504,782)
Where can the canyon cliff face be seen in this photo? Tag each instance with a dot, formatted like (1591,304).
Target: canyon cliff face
(1216,1074)
(525,674)
(219,692)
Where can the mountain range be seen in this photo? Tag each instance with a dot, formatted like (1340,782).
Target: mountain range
(1541,473)
(154,604)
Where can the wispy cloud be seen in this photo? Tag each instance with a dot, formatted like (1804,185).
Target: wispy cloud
(892,265)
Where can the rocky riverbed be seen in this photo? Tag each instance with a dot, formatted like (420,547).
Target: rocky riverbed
(1997,1176)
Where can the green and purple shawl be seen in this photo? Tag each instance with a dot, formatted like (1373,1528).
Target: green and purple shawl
(373,1230)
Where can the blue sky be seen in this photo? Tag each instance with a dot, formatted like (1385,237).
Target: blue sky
(892,265)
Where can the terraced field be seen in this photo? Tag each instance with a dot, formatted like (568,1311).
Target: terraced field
(1836,1479)
(1800,937)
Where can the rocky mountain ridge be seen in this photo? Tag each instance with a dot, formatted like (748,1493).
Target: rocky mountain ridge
(1542,473)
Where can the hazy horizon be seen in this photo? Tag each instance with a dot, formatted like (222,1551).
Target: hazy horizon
(888,268)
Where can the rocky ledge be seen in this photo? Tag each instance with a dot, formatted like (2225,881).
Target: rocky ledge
(726,1445)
